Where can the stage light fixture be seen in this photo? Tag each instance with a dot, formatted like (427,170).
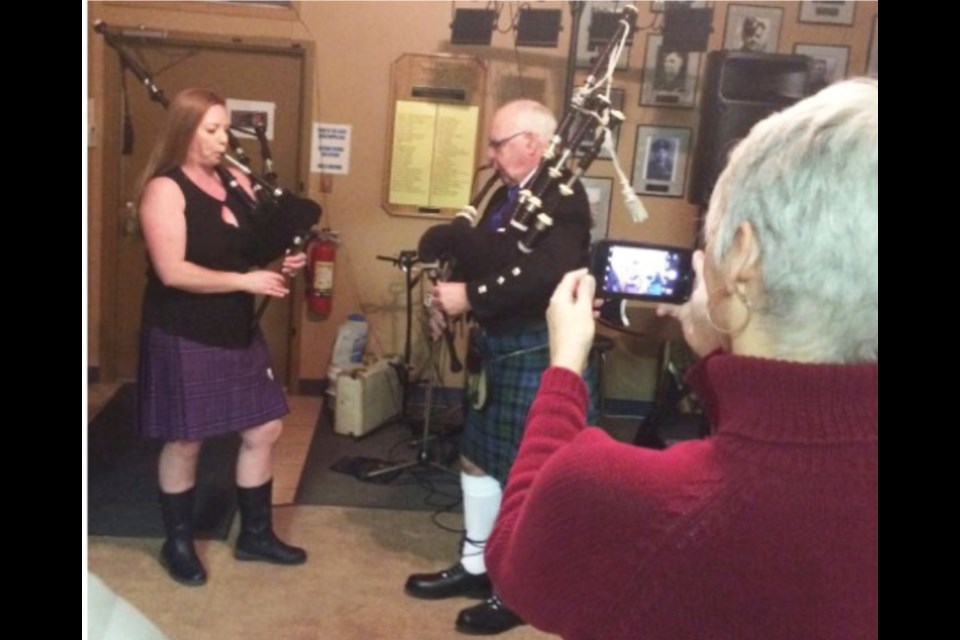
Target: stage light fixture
(538,28)
(473,26)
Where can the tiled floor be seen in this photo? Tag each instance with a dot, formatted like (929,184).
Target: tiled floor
(290,452)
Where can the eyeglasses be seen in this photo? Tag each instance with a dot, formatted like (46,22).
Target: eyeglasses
(496,145)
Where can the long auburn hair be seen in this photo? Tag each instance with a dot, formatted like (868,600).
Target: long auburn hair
(184,116)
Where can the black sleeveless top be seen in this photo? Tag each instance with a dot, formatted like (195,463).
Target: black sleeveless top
(219,319)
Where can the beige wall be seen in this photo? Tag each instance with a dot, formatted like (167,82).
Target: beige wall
(356,42)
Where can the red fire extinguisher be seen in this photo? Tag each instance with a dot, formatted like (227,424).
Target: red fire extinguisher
(321,254)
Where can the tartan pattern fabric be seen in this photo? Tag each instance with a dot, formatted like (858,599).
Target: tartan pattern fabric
(513,364)
(191,391)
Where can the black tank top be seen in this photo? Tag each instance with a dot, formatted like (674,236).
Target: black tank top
(220,319)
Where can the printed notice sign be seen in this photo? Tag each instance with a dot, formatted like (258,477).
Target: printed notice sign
(330,150)
(433,154)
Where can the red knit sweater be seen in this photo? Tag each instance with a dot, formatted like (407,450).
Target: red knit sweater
(767,530)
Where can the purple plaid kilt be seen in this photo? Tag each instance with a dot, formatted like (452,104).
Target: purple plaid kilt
(513,364)
(192,391)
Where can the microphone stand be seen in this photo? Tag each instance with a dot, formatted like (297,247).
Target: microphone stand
(424,458)
(405,262)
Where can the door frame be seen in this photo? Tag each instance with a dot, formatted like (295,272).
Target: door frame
(110,185)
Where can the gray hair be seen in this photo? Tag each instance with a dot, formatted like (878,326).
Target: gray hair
(530,115)
(807,180)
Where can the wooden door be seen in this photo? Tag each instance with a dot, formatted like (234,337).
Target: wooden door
(244,72)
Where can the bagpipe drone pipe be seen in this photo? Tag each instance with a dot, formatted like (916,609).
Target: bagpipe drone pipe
(567,157)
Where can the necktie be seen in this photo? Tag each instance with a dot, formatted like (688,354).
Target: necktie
(498,218)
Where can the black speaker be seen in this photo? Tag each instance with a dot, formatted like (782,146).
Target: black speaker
(740,89)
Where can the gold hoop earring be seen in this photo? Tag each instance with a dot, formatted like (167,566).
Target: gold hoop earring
(731,331)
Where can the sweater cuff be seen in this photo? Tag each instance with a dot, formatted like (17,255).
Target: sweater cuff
(565,382)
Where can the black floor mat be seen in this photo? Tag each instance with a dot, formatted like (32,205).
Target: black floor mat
(336,468)
(122,477)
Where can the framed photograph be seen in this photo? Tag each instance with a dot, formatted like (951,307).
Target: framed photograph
(599,191)
(826,12)
(247,114)
(660,160)
(873,62)
(669,77)
(585,55)
(617,100)
(752,28)
(829,63)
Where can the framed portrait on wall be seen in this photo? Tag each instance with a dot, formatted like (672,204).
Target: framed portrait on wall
(587,56)
(669,77)
(660,160)
(873,62)
(829,63)
(599,191)
(752,28)
(617,100)
(827,12)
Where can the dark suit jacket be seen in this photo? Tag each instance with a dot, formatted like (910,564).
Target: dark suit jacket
(508,288)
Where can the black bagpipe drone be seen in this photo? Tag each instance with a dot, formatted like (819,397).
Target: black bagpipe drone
(458,246)
(589,112)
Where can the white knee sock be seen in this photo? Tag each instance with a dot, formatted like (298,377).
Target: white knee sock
(481,503)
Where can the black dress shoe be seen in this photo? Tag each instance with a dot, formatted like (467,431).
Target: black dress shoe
(455,581)
(488,618)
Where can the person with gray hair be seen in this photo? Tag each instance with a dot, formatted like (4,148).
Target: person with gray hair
(805,183)
(770,527)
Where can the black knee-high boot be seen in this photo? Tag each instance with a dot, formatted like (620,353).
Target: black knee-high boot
(178,554)
(257,541)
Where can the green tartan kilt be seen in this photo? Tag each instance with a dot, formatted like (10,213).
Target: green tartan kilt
(513,364)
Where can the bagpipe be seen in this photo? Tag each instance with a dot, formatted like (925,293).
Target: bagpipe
(568,156)
(459,245)
(441,243)
(280,221)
